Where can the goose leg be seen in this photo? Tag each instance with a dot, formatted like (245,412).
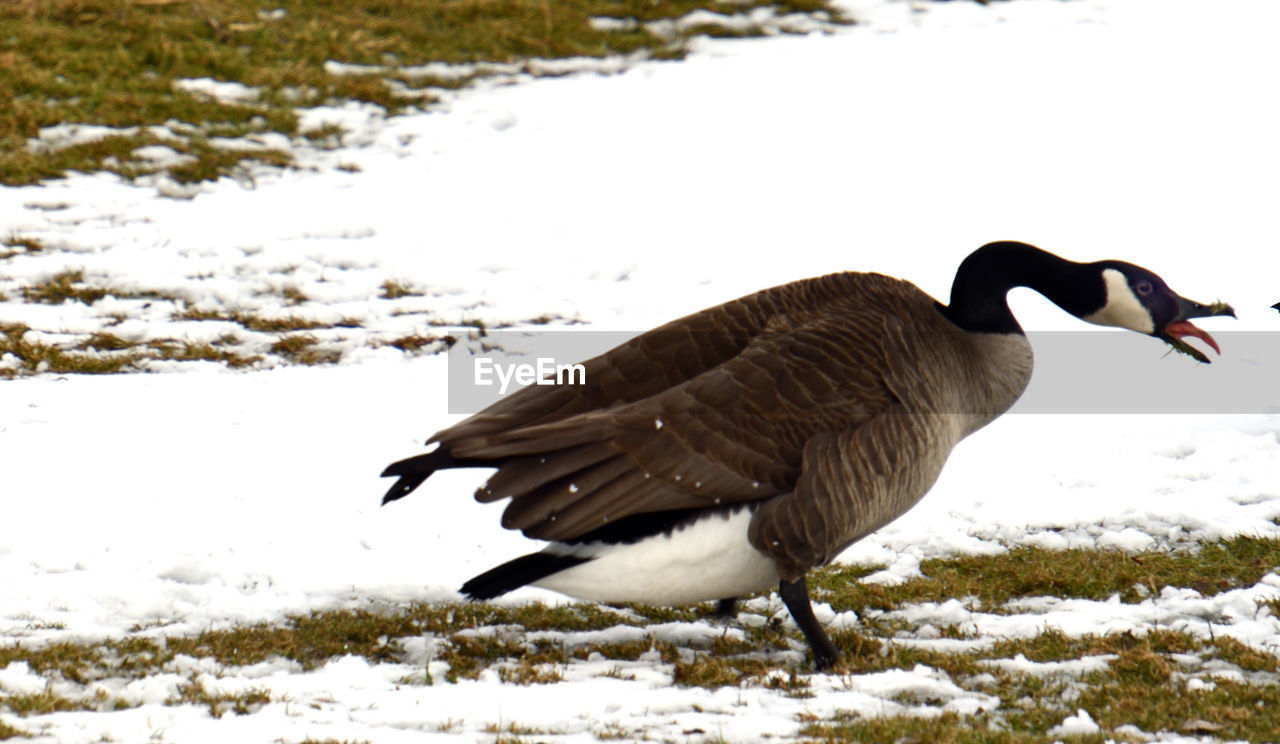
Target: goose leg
(795,595)
(725,608)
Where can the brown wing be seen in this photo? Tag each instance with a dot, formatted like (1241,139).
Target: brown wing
(716,408)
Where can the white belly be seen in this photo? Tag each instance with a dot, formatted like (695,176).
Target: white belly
(708,559)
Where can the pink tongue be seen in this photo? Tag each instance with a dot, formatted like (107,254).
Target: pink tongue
(1185,328)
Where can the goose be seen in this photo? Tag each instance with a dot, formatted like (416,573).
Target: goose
(738,448)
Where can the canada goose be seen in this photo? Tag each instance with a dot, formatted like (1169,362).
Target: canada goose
(739,447)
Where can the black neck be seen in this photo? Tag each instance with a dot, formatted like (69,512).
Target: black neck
(979,293)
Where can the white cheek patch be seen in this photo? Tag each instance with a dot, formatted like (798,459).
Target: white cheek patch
(1123,308)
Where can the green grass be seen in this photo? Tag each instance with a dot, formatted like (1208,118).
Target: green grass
(301,349)
(949,728)
(1145,687)
(106,353)
(251,321)
(1142,682)
(393,290)
(243,704)
(219,352)
(61,287)
(37,356)
(9,732)
(72,286)
(415,342)
(1089,574)
(19,245)
(116,62)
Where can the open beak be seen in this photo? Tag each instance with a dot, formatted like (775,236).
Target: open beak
(1181,327)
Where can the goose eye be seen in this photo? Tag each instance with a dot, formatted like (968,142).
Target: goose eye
(1144,287)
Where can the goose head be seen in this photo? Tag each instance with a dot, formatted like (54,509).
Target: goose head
(1137,299)
(1109,293)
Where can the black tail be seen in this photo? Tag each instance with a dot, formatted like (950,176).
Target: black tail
(414,470)
(514,574)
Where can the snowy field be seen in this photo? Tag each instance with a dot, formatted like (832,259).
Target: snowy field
(197,497)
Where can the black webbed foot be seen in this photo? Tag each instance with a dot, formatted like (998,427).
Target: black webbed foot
(795,595)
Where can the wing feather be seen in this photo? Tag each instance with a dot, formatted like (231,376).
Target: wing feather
(722,407)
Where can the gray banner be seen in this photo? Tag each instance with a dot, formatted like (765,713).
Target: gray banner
(1099,371)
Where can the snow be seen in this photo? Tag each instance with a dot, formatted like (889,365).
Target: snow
(1021,665)
(199,498)
(221,90)
(1078,725)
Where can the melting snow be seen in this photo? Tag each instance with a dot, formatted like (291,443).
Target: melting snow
(1078,725)
(210,498)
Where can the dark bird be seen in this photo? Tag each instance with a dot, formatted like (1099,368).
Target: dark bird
(739,447)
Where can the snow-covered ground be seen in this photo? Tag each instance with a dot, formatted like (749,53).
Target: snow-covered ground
(197,498)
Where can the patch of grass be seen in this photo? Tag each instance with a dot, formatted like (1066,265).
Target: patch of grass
(69,661)
(187,351)
(293,295)
(220,704)
(948,728)
(105,342)
(327,136)
(36,356)
(415,342)
(515,733)
(106,353)
(41,703)
(71,285)
(9,732)
(1144,683)
(18,245)
(311,640)
(276,325)
(537,668)
(251,321)
(1054,645)
(116,63)
(300,349)
(24,243)
(467,656)
(63,286)
(393,290)
(1089,574)
(1139,690)
(615,732)
(1234,652)
(862,653)
(211,161)
(1143,686)
(1274,606)
(719,668)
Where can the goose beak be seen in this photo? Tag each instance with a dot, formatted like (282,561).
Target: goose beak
(1181,327)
